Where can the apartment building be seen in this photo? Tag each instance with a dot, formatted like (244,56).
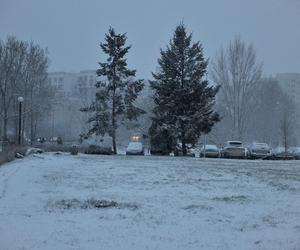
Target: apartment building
(290,84)
(79,85)
(74,91)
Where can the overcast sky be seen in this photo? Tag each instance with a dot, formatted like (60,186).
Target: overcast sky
(73,29)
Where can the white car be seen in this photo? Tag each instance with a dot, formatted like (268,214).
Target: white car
(278,150)
(282,153)
(295,151)
(209,150)
(234,149)
(259,150)
(135,148)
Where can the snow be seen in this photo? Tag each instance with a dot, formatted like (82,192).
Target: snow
(47,202)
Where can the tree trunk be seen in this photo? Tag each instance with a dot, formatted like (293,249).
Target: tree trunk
(114,142)
(113,115)
(5,125)
(114,129)
(31,128)
(20,124)
(24,118)
(31,117)
(35,128)
(16,120)
(184,150)
(183,142)
(1,126)
(285,133)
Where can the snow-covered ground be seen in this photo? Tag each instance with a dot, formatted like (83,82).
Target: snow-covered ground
(55,202)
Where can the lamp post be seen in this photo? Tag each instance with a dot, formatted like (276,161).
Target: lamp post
(204,155)
(20,100)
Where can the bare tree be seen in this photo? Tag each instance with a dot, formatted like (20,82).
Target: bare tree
(23,70)
(36,86)
(11,61)
(236,70)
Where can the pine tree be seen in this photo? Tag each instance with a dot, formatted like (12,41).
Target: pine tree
(183,99)
(116,91)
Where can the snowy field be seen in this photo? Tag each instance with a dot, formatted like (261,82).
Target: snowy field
(116,202)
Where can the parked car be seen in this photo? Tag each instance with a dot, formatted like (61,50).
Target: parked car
(295,151)
(234,149)
(209,150)
(135,148)
(58,140)
(278,150)
(259,150)
(41,139)
(280,153)
(53,139)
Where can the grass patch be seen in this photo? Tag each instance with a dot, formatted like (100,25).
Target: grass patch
(89,204)
(233,198)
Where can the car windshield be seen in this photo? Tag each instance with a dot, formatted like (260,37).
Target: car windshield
(209,146)
(135,146)
(279,150)
(260,145)
(235,143)
(296,150)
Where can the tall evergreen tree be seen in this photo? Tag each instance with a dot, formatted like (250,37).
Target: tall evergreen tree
(116,90)
(183,99)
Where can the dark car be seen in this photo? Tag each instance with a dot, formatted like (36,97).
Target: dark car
(209,150)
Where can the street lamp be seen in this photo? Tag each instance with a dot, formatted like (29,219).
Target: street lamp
(204,155)
(20,100)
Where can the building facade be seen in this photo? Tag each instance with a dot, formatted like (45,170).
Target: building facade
(79,85)
(290,84)
(75,91)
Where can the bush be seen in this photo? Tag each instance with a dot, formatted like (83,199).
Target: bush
(160,149)
(94,149)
